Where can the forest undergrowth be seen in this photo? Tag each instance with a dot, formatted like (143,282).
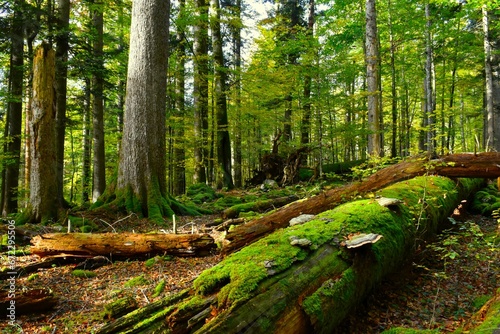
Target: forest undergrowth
(439,289)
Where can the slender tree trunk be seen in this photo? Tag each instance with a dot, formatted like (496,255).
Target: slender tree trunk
(306,117)
(429,109)
(394,97)
(200,91)
(99,178)
(223,140)
(62,47)
(44,202)
(489,140)
(372,79)
(10,181)
(179,184)
(86,171)
(236,31)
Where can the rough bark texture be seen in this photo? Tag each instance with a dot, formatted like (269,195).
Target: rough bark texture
(43,191)
(372,79)
(62,47)
(223,141)
(483,165)
(200,91)
(13,125)
(29,301)
(99,165)
(122,244)
(275,286)
(141,181)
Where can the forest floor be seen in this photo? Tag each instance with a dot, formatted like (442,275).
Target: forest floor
(440,288)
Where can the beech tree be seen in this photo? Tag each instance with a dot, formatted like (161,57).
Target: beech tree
(141,179)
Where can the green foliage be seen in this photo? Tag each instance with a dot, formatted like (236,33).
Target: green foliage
(83,273)
(486,200)
(402,330)
(136,281)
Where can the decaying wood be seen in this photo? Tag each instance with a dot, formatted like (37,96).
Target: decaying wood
(28,301)
(482,165)
(259,206)
(310,289)
(119,307)
(122,244)
(225,225)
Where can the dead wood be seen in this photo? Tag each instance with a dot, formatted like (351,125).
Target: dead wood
(258,206)
(275,285)
(121,245)
(29,301)
(482,165)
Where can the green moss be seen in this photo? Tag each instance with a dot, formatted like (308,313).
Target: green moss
(201,193)
(486,200)
(83,273)
(136,281)
(33,277)
(159,288)
(480,301)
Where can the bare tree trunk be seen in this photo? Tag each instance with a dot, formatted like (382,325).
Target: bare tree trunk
(44,202)
(372,79)
(236,32)
(223,140)
(99,178)
(179,182)
(13,125)
(490,122)
(429,109)
(86,171)
(62,47)
(201,91)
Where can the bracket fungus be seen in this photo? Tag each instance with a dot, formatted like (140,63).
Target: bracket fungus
(358,240)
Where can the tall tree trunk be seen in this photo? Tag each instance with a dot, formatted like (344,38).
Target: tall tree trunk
(86,164)
(489,138)
(43,204)
(236,34)
(394,97)
(10,181)
(99,177)
(223,140)
(179,184)
(372,79)
(429,108)
(141,181)
(62,48)
(306,117)
(200,91)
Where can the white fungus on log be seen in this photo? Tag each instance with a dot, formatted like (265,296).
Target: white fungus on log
(361,239)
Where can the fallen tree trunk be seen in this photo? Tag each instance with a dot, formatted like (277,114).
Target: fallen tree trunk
(482,165)
(280,285)
(122,244)
(258,206)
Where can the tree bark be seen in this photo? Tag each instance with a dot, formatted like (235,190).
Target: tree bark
(43,204)
(141,186)
(483,165)
(62,47)
(99,171)
(277,286)
(200,91)
(13,126)
(259,206)
(223,140)
(121,245)
(372,79)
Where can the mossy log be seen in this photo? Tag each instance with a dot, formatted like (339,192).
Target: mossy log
(482,165)
(258,206)
(487,319)
(122,244)
(274,286)
(119,307)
